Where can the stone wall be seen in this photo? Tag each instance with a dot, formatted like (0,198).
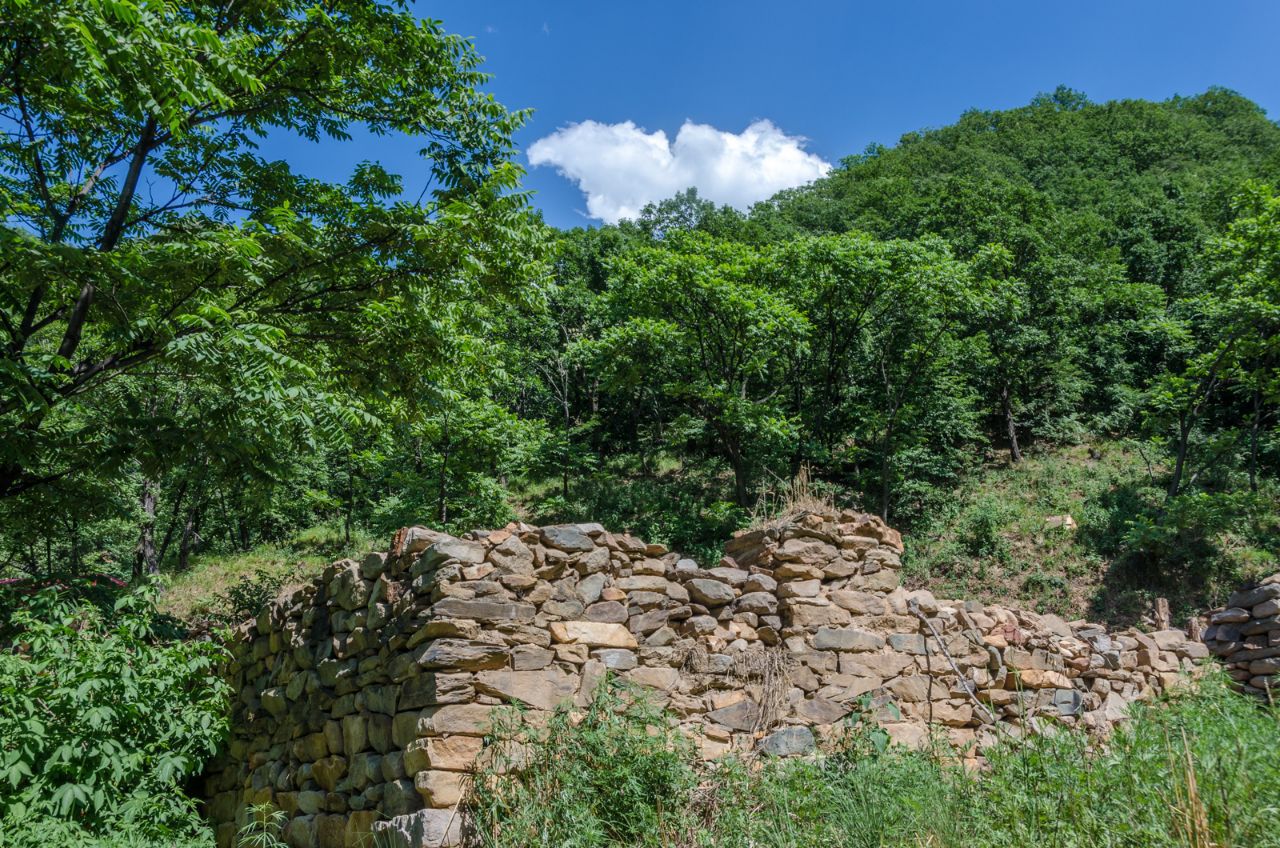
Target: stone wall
(1245,634)
(364,696)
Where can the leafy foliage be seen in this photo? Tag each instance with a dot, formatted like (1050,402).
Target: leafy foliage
(247,353)
(104,715)
(199,335)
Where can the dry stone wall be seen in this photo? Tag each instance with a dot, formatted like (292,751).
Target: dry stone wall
(1245,634)
(364,697)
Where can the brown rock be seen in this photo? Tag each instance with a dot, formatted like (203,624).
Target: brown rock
(359,828)
(803,612)
(566,537)
(469,656)
(531,657)
(439,789)
(822,711)
(713,593)
(649,621)
(800,589)
(429,689)
(861,603)
(644,583)
(328,771)
(443,753)
(912,688)
(788,571)
(481,609)
(596,634)
(460,719)
(606,611)
(1035,678)
(735,577)
(543,690)
(663,679)
(805,550)
(846,639)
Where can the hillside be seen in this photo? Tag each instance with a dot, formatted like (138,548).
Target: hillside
(1150,180)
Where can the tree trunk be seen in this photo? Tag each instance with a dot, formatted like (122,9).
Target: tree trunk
(1254,427)
(740,493)
(1011,426)
(1180,464)
(351,498)
(442,493)
(568,446)
(174,516)
(145,560)
(190,538)
(75,543)
(885,487)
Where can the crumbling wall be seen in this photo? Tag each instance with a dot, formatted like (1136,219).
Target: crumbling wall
(364,697)
(1245,635)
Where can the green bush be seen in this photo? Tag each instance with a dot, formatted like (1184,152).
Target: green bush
(104,715)
(683,509)
(249,594)
(981,534)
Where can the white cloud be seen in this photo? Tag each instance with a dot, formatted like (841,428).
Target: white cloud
(620,167)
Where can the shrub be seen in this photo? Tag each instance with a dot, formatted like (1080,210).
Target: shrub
(1196,769)
(616,776)
(249,594)
(981,535)
(103,717)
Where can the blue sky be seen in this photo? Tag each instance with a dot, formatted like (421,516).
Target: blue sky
(838,75)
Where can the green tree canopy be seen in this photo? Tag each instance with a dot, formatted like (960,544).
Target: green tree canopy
(145,239)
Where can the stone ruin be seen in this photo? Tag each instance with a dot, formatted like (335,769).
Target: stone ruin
(364,697)
(1245,635)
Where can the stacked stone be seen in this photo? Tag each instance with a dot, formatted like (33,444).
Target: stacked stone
(365,696)
(958,664)
(1245,634)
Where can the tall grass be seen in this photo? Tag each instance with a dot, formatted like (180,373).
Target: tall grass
(1197,769)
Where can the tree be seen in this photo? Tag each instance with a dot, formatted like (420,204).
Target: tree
(687,212)
(693,322)
(878,381)
(143,230)
(1230,335)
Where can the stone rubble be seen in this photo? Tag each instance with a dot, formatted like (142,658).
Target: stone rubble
(1245,635)
(364,696)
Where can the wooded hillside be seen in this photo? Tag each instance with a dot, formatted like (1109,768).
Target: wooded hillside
(1063,273)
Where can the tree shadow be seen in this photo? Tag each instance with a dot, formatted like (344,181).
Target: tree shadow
(1153,552)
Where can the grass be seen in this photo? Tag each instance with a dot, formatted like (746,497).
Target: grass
(994,543)
(1192,771)
(208,587)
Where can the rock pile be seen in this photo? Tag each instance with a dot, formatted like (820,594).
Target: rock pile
(1245,634)
(365,696)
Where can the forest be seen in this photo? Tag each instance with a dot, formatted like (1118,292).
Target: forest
(252,354)
(210,357)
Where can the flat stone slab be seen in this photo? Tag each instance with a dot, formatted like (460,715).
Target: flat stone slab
(788,742)
(595,634)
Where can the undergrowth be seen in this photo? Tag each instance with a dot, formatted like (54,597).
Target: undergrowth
(231,586)
(106,712)
(1194,770)
(994,540)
